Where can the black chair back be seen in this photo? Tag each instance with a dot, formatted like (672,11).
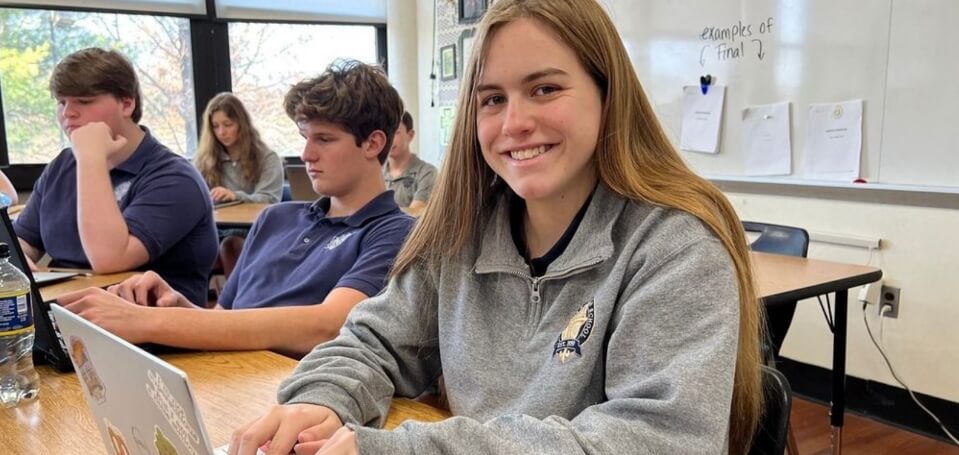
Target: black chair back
(773,238)
(770,438)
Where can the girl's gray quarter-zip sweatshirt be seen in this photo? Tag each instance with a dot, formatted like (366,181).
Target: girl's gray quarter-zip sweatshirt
(626,345)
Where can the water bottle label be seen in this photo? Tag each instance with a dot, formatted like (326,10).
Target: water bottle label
(16,314)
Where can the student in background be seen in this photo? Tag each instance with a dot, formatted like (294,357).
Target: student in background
(236,165)
(117,199)
(577,286)
(305,264)
(6,187)
(232,158)
(410,178)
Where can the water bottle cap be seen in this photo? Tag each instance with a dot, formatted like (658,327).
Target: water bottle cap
(4,250)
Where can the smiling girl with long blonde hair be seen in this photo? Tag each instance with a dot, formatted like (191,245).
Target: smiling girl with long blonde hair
(579,289)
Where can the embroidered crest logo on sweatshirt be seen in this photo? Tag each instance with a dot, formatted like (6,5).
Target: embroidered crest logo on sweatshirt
(576,333)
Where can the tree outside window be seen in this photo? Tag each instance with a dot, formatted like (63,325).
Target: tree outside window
(268,58)
(33,41)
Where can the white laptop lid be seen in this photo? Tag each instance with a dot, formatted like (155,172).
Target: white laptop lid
(140,403)
(45,278)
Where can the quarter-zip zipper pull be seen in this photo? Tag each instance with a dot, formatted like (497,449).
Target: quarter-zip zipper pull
(535,296)
(535,307)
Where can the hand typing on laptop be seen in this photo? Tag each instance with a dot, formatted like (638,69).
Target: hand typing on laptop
(149,289)
(121,317)
(300,428)
(121,308)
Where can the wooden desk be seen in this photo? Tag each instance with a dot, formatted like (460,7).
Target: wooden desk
(232,388)
(238,216)
(786,278)
(76,283)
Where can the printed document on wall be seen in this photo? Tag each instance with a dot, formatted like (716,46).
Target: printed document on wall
(766,139)
(702,116)
(833,141)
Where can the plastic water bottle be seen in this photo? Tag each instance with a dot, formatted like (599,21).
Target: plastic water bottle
(19,382)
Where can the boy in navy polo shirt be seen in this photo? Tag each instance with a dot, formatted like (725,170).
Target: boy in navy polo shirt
(117,199)
(336,251)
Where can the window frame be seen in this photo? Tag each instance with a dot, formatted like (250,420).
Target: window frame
(210,43)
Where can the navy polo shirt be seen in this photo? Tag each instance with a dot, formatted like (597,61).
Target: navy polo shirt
(163,199)
(296,255)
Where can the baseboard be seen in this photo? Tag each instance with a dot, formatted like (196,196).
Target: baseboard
(882,402)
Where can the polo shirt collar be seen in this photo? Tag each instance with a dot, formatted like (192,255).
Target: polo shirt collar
(380,205)
(134,164)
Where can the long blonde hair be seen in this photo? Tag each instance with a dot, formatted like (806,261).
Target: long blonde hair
(634,158)
(210,150)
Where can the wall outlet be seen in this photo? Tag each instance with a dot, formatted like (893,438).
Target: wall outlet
(889,296)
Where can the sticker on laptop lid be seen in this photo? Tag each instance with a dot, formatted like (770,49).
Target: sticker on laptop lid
(88,373)
(138,440)
(172,411)
(162,443)
(117,442)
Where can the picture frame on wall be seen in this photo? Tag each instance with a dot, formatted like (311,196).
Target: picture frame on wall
(446,125)
(466,46)
(448,62)
(472,10)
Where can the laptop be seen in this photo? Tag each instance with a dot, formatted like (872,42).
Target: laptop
(48,278)
(47,345)
(220,205)
(140,403)
(301,187)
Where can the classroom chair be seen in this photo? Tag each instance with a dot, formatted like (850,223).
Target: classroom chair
(790,241)
(770,438)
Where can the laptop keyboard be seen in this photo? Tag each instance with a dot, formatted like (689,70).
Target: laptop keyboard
(225,450)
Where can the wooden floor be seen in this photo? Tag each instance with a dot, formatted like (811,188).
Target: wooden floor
(860,435)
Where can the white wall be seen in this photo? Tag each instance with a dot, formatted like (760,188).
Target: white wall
(428,119)
(409,38)
(918,254)
(402,53)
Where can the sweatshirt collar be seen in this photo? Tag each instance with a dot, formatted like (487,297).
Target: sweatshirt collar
(592,243)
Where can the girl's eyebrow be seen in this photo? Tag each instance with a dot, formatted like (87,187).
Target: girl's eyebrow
(531,77)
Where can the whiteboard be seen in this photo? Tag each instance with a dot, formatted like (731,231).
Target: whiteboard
(901,57)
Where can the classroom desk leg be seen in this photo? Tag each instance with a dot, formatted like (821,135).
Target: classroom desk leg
(838,408)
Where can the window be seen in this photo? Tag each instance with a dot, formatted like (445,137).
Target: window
(267,58)
(33,41)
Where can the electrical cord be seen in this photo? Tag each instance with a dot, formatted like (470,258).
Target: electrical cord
(433,66)
(882,352)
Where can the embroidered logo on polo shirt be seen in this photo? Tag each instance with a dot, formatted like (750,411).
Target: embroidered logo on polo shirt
(577,331)
(121,190)
(338,240)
